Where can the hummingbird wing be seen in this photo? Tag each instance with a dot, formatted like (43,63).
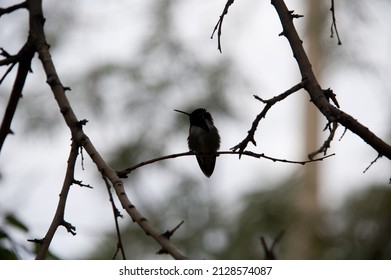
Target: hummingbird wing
(207,164)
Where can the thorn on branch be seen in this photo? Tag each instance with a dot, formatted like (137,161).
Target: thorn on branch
(331,95)
(5,53)
(295,15)
(343,134)
(9,59)
(70,228)
(37,241)
(168,235)
(78,182)
(81,123)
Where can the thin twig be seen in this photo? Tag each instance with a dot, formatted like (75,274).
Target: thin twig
(372,162)
(326,145)
(219,24)
(24,58)
(269,252)
(117,214)
(15,7)
(58,218)
(168,235)
(125,172)
(269,103)
(334,23)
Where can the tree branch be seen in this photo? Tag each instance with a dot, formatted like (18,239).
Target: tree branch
(125,172)
(38,36)
(24,58)
(326,145)
(269,103)
(10,9)
(117,214)
(334,23)
(269,251)
(317,95)
(59,215)
(219,24)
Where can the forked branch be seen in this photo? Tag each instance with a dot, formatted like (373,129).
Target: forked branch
(319,97)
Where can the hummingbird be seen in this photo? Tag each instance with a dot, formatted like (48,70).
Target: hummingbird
(203,140)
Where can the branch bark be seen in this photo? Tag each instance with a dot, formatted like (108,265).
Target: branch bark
(38,38)
(317,95)
(24,58)
(59,215)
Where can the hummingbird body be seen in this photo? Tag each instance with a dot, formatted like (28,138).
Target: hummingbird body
(203,140)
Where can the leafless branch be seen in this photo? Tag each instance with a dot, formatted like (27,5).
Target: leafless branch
(269,251)
(219,24)
(168,235)
(58,218)
(333,26)
(24,58)
(326,145)
(269,103)
(317,95)
(125,172)
(10,9)
(38,38)
(372,162)
(117,214)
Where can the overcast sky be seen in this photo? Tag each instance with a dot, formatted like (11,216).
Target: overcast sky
(250,38)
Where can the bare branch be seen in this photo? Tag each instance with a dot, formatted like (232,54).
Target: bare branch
(219,24)
(372,162)
(38,36)
(269,252)
(326,145)
(125,172)
(318,96)
(269,103)
(10,9)
(333,26)
(24,58)
(58,218)
(117,214)
(168,235)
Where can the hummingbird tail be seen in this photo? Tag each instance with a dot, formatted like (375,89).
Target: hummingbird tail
(207,164)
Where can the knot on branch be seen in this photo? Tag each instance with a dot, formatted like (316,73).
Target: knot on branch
(70,228)
(80,183)
(168,235)
(295,15)
(37,241)
(82,122)
(329,93)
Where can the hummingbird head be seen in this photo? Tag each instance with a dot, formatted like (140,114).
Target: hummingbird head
(199,117)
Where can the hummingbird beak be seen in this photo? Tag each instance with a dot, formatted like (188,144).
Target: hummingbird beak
(181,112)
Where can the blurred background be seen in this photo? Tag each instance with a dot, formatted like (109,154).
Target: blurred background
(130,63)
